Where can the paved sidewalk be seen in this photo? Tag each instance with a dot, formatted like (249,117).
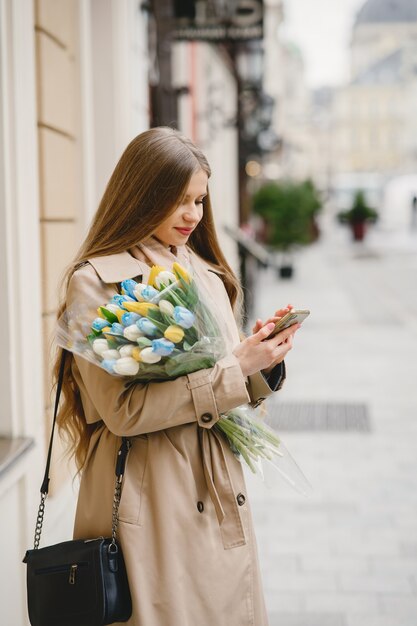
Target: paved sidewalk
(347,555)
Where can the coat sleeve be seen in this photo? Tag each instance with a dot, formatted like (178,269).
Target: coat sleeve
(260,385)
(130,409)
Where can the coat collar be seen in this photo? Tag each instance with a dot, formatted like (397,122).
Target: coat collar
(114,268)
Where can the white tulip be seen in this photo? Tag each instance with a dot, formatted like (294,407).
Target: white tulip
(126,366)
(100,346)
(166,307)
(112,307)
(138,292)
(165,278)
(147,355)
(132,332)
(110,354)
(126,350)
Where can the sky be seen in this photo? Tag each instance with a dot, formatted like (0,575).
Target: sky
(322,30)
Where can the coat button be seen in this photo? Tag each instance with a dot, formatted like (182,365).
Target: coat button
(240,499)
(200,506)
(206,417)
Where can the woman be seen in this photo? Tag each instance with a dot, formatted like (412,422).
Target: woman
(185,523)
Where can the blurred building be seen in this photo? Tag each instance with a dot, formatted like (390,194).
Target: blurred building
(295,116)
(321,162)
(382,28)
(273,85)
(284,81)
(79,79)
(373,119)
(205,79)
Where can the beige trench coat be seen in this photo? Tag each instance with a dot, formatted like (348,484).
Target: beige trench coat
(185,521)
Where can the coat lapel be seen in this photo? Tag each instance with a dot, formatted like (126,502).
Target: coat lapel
(117,267)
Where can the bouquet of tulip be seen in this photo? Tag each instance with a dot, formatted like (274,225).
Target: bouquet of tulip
(162,330)
(155,331)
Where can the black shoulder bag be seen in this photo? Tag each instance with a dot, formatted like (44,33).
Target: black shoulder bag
(79,582)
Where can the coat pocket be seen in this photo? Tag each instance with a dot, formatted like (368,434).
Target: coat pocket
(131,499)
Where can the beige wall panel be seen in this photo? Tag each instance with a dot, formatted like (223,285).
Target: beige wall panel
(58,17)
(58,179)
(56,85)
(59,244)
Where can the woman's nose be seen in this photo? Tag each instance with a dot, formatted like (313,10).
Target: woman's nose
(192,213)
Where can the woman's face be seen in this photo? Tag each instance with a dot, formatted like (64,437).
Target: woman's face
(177,228)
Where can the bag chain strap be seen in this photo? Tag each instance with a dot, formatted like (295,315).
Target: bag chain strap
(39,521)
(120,469)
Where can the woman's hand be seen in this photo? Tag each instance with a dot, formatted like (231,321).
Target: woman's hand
(259,353)
(278,314)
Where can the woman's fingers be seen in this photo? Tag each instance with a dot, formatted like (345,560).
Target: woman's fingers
(287,344)
(263,333)
(279,313)
(258,325)
(279,353)
(282,349)
(284,311)
(284,334)
(271,320)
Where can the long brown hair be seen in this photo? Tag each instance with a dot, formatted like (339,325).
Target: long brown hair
(146,186)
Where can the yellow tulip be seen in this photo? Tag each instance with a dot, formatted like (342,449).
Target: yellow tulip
(105,329)
(156,269)
(119,314)
(142,308)
(181,272)
(174,333)
(136,353)
(111,309)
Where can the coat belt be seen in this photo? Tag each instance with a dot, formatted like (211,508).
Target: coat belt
(220,488)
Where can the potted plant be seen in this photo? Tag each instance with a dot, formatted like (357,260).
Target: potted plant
(288,211)
(358,216)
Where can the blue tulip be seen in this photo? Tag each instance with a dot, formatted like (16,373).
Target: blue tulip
(99,323)
(146,326)
(163,347)
(128,287)
(183,317)
(108,365)
(129,318)
(149,293)
(117,329)
(119,300)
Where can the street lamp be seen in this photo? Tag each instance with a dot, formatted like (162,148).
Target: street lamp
(265,109)
(249,65)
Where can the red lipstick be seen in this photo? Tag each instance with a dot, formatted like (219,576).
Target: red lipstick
(184,231)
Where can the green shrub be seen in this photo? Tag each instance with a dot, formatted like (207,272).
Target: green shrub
(360,211)
(289,211)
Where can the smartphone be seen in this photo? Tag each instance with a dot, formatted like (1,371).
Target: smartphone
(295,316)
